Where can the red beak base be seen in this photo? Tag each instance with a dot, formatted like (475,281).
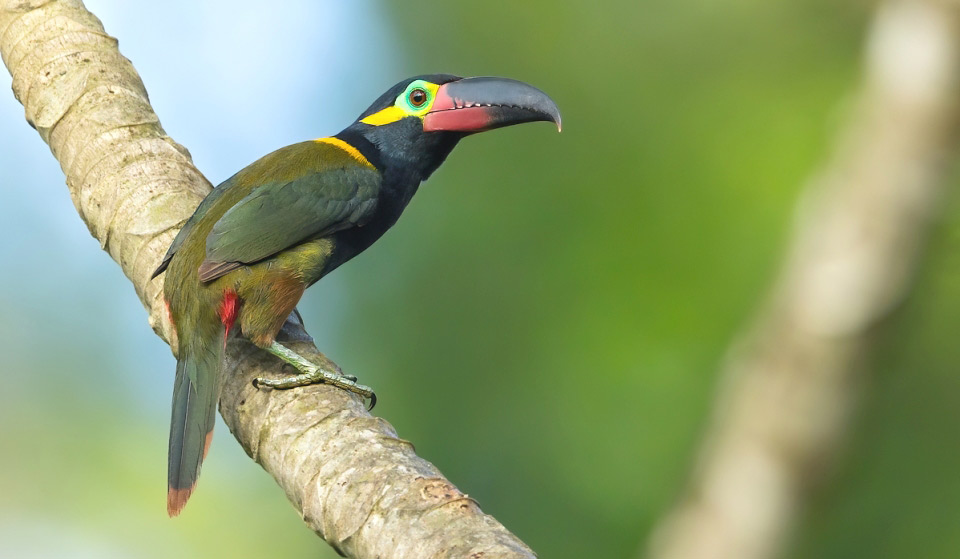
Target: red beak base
(454,115)
(477,104)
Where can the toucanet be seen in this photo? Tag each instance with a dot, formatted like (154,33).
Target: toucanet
(256,242)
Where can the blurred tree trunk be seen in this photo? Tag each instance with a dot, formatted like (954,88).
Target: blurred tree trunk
(791,382)
(355,483)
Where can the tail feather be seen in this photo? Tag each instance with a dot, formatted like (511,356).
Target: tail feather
(195,394)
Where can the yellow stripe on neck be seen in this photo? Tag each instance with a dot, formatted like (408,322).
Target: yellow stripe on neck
(354,152)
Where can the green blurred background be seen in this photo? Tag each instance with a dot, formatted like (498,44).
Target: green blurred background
(548,317)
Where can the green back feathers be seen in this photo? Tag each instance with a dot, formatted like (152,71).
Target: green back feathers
(280,214)
(298,192)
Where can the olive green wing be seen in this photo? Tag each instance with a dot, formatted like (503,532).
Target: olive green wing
(279,215)
(208,202)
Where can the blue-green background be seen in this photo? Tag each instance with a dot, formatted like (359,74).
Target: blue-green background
(546,321)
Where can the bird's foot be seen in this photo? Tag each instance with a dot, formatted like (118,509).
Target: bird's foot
(320,376)
(310,373)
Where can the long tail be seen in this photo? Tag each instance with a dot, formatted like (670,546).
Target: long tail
(195,394)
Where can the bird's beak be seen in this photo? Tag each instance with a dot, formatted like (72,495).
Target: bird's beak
(477,104)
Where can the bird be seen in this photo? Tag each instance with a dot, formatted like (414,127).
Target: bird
(242,261)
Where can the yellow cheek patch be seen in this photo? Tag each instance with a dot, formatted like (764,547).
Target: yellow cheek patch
(386,116)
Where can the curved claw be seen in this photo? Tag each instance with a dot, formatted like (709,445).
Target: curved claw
(373,401)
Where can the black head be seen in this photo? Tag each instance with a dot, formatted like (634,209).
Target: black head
(417,122)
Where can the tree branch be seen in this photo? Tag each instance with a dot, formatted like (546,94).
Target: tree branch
(790,384)
(356,484)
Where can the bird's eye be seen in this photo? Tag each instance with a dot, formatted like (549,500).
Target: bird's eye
(418,97)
